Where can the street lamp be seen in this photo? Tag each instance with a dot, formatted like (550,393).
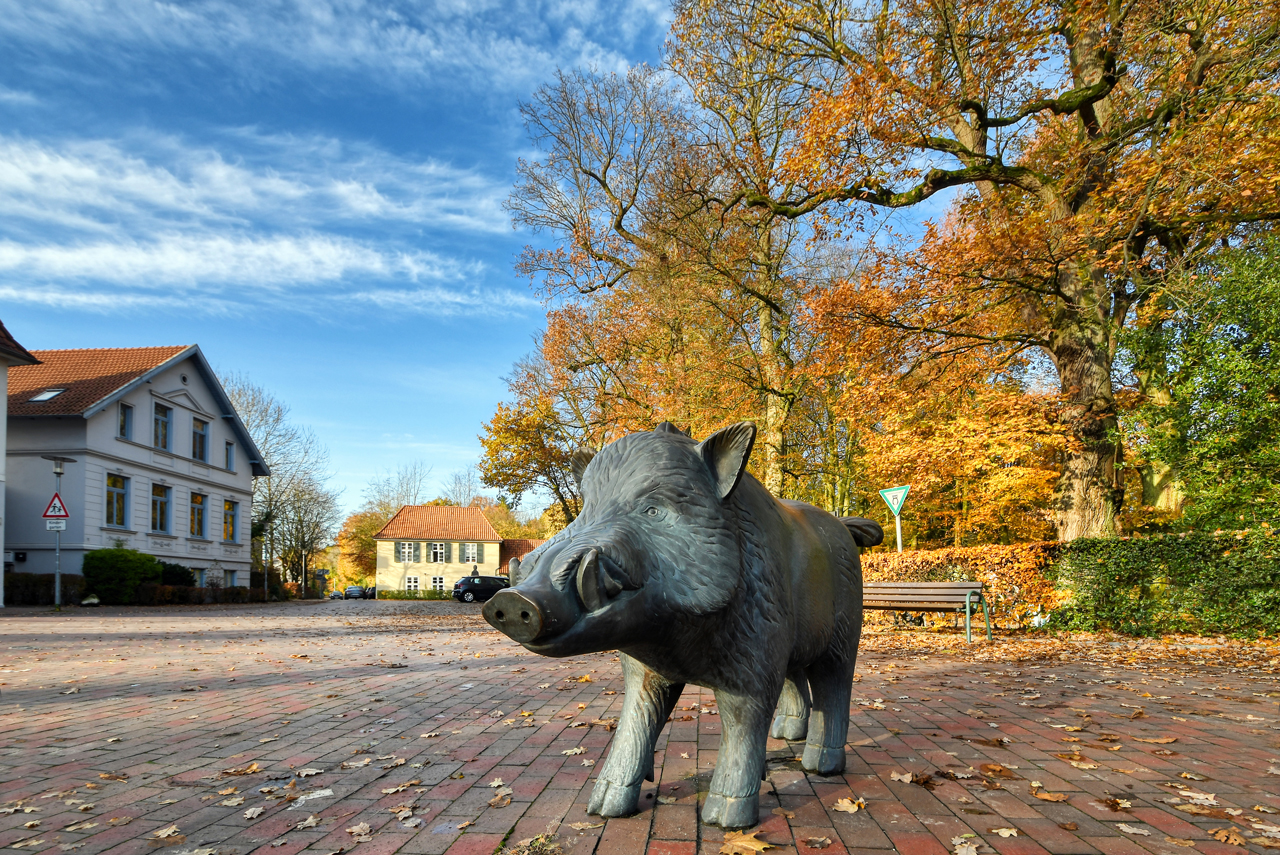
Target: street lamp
(57,543)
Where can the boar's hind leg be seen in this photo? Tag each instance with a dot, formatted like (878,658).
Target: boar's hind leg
(831,679)
(734,797)
(791,721)
(649,701)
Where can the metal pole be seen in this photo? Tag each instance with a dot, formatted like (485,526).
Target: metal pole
(897,522)
(57,548)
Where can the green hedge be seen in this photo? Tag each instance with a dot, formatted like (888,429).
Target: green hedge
(179,595)
(115,574)
(1222,583)
(415,595)
(36,589)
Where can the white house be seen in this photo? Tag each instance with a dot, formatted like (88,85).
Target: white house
(11,353)
(163,462)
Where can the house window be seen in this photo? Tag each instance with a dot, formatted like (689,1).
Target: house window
(440,553)
(126,421)
(230,526)
(118,501)
(228,578)
(467,553)
(197,515)
(411,583)
(408,552)
(231,457)
(160,438)
(437,583)
(46,395)
(160,507)
(199,440)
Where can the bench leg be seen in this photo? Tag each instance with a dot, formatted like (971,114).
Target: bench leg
(968,634)
(987,616)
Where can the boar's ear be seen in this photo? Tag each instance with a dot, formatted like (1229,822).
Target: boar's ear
(725,453)
(668,427)
(578,463)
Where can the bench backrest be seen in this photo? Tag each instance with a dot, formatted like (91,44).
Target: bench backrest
(919,592)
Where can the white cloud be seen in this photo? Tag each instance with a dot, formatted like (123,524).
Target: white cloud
(15,96)
(481,43)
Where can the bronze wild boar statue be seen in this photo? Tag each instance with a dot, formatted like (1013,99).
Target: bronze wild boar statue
(691,569)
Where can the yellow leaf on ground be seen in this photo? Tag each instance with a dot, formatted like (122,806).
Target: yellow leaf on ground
(743,843)
(849,805)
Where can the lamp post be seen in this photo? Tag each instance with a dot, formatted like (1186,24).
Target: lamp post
(57,543)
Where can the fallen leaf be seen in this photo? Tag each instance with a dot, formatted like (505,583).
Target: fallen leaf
(355,764)
(849,805)
(1050,797)
(1004,832)
(1080,765)
(1068,826)
(743,843)
(463,825)
(1178,841)
(965,849)
(108,776)
(80,826)
(22,844)
(1162,740)
(228,791)
(307,773)
(1119,804)
(253,812)
(496,782)
(243,770)
(412,823)
(817,842)
(1201,810)
(1129,829)
(1230,835)
(167,831)
(588,762)
(572,751)
(996,770)
(1192,776)
(904,777)
(666,800)
(583,826)
(35,823)
(1265,809)
(783,812)
(310,822)
(232,802)
(117,821)
(85,808)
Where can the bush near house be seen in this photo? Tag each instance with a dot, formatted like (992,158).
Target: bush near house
(1219,583)
(176,574)
(115,574)
(181,595)
(36,589)
(415,595)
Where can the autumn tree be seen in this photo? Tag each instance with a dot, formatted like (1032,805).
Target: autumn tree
(1093,150)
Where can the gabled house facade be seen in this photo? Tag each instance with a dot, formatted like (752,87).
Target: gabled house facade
(429,547)
(164,463)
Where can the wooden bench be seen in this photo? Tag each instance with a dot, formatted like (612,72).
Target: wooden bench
(928,597)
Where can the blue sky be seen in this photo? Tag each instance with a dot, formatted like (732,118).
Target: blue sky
(312,191)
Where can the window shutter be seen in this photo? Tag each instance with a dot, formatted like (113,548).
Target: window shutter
(417,552)
(448,553)
(480,553)
(399,554)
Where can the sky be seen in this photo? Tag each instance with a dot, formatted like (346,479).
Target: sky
(311,191)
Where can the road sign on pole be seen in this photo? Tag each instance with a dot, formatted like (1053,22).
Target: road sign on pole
(56,510)
(55,525)
(895,498)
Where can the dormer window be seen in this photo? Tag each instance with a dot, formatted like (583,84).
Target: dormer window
(46,395)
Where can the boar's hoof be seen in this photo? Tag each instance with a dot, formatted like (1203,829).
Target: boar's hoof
(514,615)
(613,799)
(791,727)
(731,811)
(821,760)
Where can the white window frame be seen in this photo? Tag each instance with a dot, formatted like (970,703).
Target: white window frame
(200,440)
(437,583)
(162,427)
(469,551)
(411,583)
(438,552)
(161,509)
(126,422)
(121,491)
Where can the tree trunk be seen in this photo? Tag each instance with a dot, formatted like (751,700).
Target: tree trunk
(775,406)
(1088,494)
(1161,488)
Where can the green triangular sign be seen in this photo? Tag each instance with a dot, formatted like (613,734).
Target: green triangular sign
(895,497)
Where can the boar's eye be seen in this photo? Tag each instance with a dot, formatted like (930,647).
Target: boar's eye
(652,511)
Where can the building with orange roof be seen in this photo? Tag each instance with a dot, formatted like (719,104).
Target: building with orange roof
(164,463)
(428,547)
(11,354)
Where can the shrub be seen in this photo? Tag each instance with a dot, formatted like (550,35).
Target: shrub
(414,595)
(115,574)
(176,574)
(36,589)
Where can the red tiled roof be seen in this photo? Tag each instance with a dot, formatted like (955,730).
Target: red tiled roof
(438,522)
(87,375)
(14,352)
(515,549)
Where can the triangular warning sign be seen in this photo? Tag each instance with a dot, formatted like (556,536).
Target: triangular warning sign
(56,510)
(895,497)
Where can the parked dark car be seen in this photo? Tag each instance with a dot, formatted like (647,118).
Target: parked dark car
(353,592)
(477,589)
(371,592)
(335,595)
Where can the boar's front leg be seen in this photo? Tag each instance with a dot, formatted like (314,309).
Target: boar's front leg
(649,701)
(734,798)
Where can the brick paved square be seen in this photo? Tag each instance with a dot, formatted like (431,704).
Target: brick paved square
(275,729)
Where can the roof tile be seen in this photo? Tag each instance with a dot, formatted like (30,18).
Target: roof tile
(11,350)
(87,375)
(438,522)
(515,548)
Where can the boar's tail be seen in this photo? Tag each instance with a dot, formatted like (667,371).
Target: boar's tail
(865,532)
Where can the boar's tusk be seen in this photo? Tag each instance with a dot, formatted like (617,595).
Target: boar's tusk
(589,580)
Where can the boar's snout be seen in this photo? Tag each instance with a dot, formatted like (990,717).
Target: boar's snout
(514,615)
